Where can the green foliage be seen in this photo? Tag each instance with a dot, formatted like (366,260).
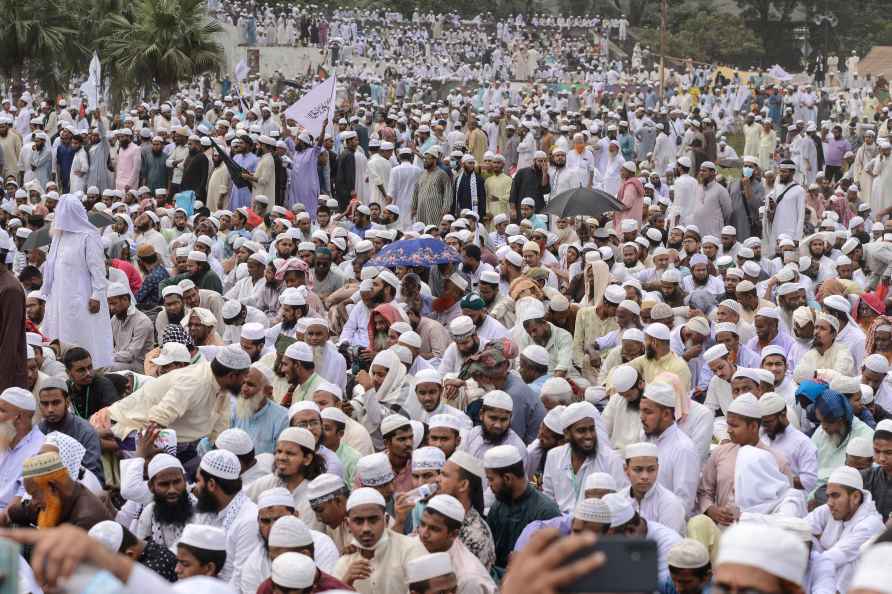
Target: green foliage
(709,38)
(38,41)
(162,42)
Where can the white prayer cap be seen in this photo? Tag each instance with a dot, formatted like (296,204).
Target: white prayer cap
(847,477)
(409,338)
(292,297)
(557,387)
(658,331)
(614,294)
(171,290)
(768,312)
(803,315)
(445,420)
(595,394)
(554,419)
(872,572)
(197,256)
(428,458)
(764,547)
(172,352)
(672,275)
(275,497)
(788,288)
(365,496)
(746,405)
(628,305)
(235,440)
(641,450)
(221,464)
(772,403)
(688,554)
(204,537)
(19,398)
(866,394)
(292,571)
(231,356)
(624,377)
(699,325)
(514,258)
(578,411)
(501,456)
(498,399)
(661,393)
(621,510)
(461,326)
(161,462)
(468,462)
(290,531)
(633,334)
(427,567)
(838,303)
(428,376)
(490,277)
(391,423)
(600,480)
(592,510)
(299,351)
(324,484)
(628,225)
(456,279)
(253,331)
(845,384)
(828,319)
(374,470)
(331,413)
(749,373)
(298,435)
(117,290)
(884,425)
(860,446)
(715,352)
(447,505)
(732,305)
(109,533)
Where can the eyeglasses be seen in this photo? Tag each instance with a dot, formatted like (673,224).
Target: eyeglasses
(308,424)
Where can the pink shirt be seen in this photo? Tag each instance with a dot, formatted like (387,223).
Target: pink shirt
(127,168)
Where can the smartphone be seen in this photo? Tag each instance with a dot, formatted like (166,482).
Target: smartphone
(631,566)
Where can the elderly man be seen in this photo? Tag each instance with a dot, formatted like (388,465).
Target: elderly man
(330,363)
(132,330)
(534,329)
(621,415)
(22,438)
(56,498)
(567,466)
(838,426)
(378,565)
(256,413)
(846,522)
(193,402)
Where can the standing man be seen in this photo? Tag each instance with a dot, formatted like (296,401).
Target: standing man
(786,206)
(264,177)
(715,208)
(345,173)
(433,191)
(128,163)
(13,372)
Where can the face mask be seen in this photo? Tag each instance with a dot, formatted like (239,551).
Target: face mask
(747,172)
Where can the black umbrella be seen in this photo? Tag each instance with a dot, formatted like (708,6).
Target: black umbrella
(41,237)
(582,202)
(235,170)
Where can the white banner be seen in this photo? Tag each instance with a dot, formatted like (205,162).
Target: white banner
(91,86)
(241,71)
(779,73)
(310,111)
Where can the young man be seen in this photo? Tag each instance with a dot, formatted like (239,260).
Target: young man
(201,550)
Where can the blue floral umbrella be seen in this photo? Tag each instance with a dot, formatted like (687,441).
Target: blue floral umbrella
(413,253)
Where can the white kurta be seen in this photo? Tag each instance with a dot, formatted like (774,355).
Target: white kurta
(379,175)
(362,187)
(78,275)
(401,187)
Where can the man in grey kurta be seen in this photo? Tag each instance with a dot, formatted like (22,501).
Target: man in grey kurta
(747,195)
(433,192)
(715,207)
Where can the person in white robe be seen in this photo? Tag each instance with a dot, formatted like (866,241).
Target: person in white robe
(881,171)
(75,284)
(787,200)
(760,487)
(401,186)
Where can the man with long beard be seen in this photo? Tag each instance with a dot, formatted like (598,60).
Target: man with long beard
(838,427)
(162,521)
(256,413)
(567,466)
(174,308)
(20,438)
(778,434)
(223,504)
(465,343)
(330,364)
(621,413)
(278,536)
(55,498)
(292,307)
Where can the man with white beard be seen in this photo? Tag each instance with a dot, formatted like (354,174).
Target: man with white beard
(20,438)
(330,364)
(256,413)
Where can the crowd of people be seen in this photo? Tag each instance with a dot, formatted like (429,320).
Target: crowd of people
(224,370)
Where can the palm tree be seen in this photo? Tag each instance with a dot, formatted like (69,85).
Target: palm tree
(162,42)
(38,42)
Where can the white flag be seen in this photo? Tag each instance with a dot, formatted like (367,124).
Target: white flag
(241,71)
(91,86)
(310,110)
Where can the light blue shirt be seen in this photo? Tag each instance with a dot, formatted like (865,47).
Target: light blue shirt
(11,484)
(264,427)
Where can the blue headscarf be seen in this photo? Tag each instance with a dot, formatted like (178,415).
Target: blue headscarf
(810,390)
(833,406)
